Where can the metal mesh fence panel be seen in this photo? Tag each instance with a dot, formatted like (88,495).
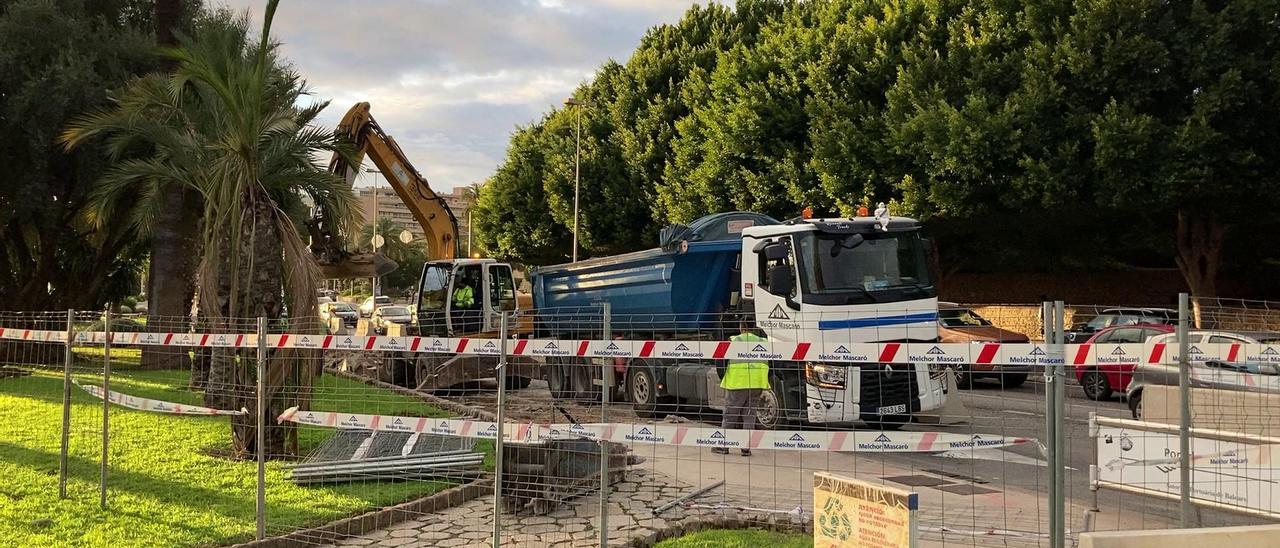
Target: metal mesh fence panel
(627,428)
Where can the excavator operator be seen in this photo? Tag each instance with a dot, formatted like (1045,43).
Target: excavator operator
(466,314)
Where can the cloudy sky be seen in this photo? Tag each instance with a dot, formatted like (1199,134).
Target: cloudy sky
(450,79)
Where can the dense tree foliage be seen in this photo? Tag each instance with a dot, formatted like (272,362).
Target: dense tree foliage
(60,58)
(1126,133)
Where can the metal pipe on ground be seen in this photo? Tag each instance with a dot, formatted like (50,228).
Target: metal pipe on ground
(382,459)
(389,465)
(676,501)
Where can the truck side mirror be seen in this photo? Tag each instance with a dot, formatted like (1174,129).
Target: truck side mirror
(780,280)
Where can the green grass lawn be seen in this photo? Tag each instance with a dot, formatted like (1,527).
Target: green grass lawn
(165,488)
(739,538)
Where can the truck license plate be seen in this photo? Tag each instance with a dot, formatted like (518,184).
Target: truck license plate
(892,409)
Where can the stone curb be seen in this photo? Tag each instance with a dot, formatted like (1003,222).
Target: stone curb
(377,519)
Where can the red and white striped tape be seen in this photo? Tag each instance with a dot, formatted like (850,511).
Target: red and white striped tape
(663,434)
(991,353)
(155,406)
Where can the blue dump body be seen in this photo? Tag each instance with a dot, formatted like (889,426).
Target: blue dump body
(658,289)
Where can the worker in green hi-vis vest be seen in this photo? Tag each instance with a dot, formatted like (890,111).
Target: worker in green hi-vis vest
(743,381)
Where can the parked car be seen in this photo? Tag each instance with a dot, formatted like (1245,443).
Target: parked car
(372,303)
(1120,316)
(1100,381)
(1209,371)
(339,310)
(957,324)
(386,315)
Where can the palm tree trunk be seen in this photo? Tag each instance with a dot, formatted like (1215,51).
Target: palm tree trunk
(261,272)
(170,282)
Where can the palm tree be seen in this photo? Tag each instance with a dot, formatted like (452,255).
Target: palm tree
(225,124)
(392,247)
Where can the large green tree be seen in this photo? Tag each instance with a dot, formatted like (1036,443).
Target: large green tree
(60,58)
(1126,133)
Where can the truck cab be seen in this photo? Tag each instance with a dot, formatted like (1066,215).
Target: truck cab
(464,297)
(847,280)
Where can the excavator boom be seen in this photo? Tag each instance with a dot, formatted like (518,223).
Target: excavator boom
(439,225)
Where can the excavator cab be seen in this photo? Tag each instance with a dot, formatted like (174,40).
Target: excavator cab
(464,297)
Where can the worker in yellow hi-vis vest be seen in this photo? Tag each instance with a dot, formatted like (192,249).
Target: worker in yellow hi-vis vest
(743,380)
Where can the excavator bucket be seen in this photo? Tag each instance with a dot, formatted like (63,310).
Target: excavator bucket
(359,265)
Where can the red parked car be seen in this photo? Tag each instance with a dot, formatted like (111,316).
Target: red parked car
(1099,381)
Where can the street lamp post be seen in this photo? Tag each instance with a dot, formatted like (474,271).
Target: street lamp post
(373,241)
(577,166)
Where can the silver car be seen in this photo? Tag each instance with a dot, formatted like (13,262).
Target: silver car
(386,315)
(1208,369)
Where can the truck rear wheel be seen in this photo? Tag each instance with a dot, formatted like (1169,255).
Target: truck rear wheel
(582,377)
(643,392)
(558,380)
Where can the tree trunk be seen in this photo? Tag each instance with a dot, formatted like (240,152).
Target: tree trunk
(168,17)
(1199,240)
(233,383)
(170,282)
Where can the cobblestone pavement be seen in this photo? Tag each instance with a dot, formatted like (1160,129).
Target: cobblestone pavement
(631,519)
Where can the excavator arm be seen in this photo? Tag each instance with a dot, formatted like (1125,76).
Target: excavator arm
(439,225)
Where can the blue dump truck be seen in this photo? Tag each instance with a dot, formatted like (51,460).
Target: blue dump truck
(852,280)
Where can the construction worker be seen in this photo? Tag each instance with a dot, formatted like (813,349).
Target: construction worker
(464,300)
(743,380)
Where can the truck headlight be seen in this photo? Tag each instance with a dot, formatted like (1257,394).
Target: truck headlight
(824,376)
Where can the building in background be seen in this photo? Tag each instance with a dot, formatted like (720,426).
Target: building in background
(391,207)
(460,200)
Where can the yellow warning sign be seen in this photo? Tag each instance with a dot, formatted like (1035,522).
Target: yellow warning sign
(852,513)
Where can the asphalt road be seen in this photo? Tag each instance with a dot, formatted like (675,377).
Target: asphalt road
(1021,412)
(991,411)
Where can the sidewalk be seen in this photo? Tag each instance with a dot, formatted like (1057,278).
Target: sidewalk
(769,487)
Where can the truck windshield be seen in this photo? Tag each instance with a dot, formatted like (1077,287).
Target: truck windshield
(880,267)
(435,288)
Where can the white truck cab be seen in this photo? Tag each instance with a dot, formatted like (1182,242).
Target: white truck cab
(848,280)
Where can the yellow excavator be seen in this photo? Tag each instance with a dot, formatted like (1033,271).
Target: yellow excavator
(438,223)
(487,286)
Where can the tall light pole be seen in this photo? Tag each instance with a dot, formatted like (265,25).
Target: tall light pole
(373,241)
(577,166)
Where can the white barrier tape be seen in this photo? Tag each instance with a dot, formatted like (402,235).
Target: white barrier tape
(661,434)
(991,353)
(156,406)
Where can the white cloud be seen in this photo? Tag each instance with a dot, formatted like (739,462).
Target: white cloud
(451,79)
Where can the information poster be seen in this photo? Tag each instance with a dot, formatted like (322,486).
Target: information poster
(853,513)
(1225,473)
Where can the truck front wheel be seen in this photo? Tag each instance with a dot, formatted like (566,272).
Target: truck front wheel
(770,411)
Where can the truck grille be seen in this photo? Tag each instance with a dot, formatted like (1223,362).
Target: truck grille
(892,386)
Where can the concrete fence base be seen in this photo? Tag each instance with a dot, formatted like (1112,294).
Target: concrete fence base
(1255,536)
